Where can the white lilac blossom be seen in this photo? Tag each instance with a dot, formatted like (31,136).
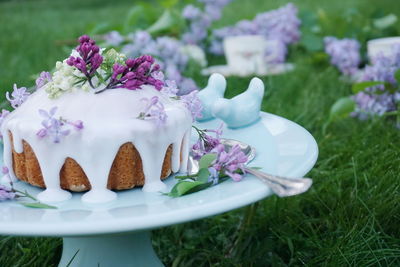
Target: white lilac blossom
(3,115)
(193,104)
(43,78)
(64,79)
(344,54)
(281,24)
(56,128)
(18,96)
(153,110)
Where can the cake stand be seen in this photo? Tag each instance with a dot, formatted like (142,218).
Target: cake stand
(118,233)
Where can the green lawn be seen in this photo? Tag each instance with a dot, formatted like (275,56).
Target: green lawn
(351,216)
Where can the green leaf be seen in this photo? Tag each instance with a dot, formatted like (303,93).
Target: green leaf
(132,18)
(164,22)
(203,175)
(397,76)
(186,187)
(385,22)
(37,205)
(206,160)
(167,3)
(341,109)
(361,86)
(312,42)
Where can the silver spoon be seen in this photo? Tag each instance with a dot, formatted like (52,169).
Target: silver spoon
(282,186)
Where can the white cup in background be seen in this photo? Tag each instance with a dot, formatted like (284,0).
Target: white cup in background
(245,54)
(381,46)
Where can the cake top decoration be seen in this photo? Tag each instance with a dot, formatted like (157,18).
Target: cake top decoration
(92,68)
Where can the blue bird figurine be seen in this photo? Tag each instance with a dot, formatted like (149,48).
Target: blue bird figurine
(215,90)
(242,110)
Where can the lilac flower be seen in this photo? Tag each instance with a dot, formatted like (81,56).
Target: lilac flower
(281,24)
(231,161)
(89,60)
(170,88)
(377,100)
(168,53)
(200,21)
(275,54)
(43,78)
(193,104)
(55,128)
(6,193)
(191,12)
(18,96)
(154,110)
(206,143)
(78,125)
(113,38)
(159,75)
(137,72)
(344,53)
(373,104)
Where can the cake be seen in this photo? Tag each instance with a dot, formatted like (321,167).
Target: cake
(66,136)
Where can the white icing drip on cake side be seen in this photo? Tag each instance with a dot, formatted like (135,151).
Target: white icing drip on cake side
(110,120)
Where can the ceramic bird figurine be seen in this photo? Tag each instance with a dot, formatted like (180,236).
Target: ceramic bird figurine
(215,90)
(243,109)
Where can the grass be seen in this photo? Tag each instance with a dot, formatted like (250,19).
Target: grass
(351,216)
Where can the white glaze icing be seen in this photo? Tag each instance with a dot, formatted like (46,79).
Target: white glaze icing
(110,120)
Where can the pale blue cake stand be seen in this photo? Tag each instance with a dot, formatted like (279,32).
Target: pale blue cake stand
(118,233)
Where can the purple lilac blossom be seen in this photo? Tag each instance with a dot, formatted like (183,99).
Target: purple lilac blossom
(18,96)
(168,54)
(281,24)
(229,162)
(113,38)
(193,104)
(90,58)
(344,54)
(200,20)
(206,143)
(154,110)
(43,78)
(377,100)
(135,73)
(6,193)
(56,128)
(170,88)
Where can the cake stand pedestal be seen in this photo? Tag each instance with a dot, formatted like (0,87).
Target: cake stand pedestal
(131,249)
(118,233)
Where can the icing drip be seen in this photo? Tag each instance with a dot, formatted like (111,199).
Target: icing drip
(110,120)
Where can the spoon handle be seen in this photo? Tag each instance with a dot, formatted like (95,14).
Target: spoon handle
(282,186)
